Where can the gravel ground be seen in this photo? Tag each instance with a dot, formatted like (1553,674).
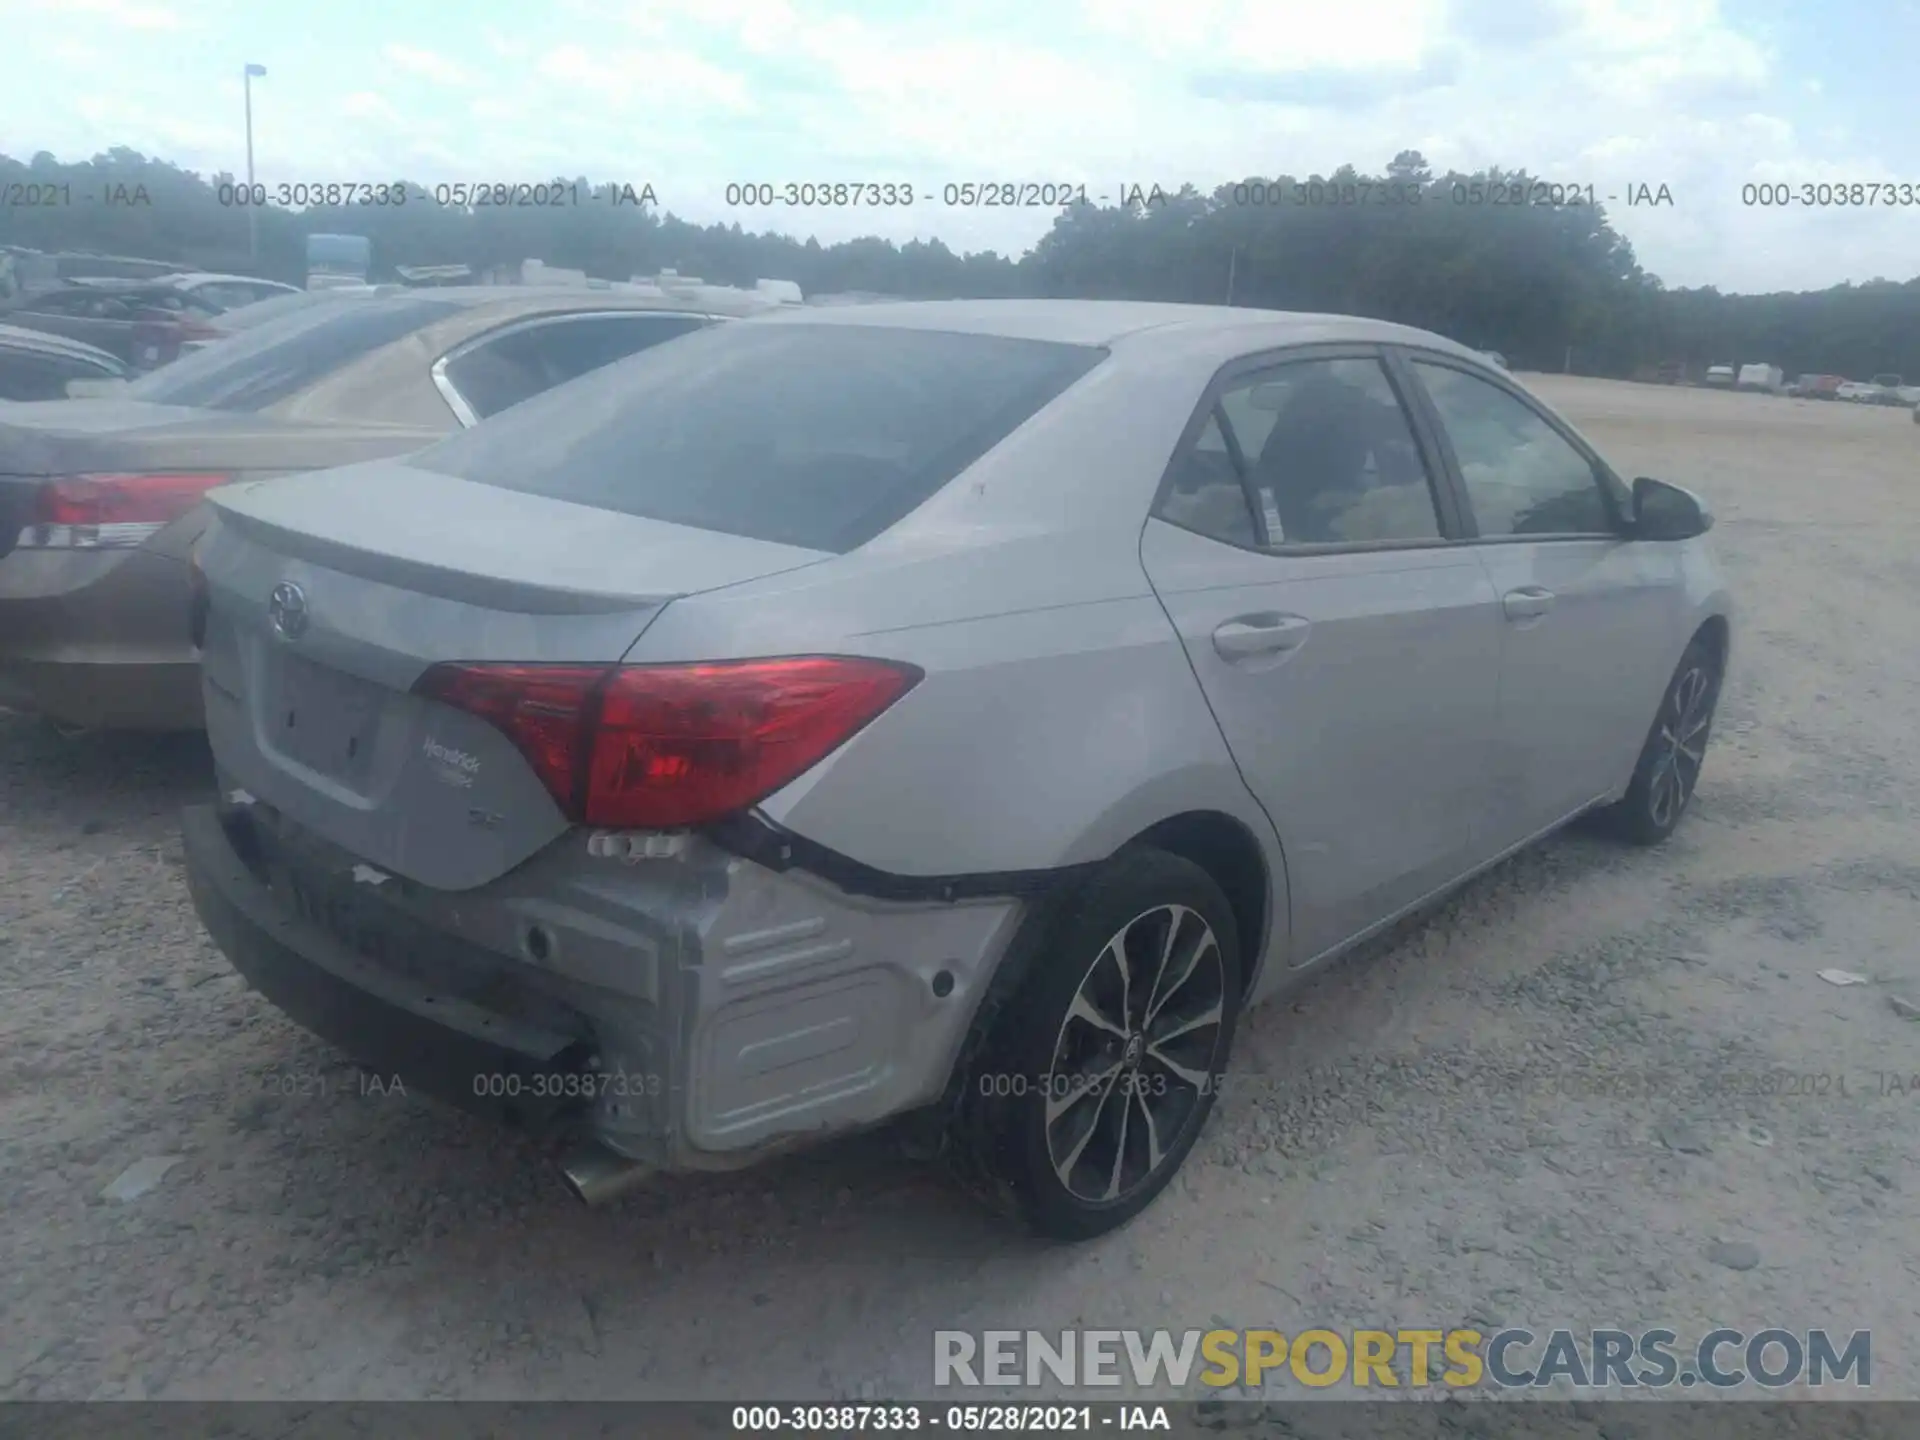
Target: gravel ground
(1414,1139)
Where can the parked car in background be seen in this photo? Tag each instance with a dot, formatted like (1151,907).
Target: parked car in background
(1886,389)
(207,294)
(100,498)
(1496,357)
(23,268)
(1820,387)
(220,293)
(1720,375)
(602,741)
(80,264)
(261,312)
(1760,377)
(143,323)
(1855,391)
(1672,372)
(35,365)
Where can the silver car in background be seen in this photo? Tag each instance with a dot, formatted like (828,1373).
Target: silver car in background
(100,498)
(958,710)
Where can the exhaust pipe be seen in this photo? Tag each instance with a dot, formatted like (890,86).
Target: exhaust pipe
(597,1174)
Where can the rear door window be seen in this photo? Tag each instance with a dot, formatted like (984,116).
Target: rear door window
(267,364)
(816,435)
(83,302)
(503,370)
(42,375)
(1326,451)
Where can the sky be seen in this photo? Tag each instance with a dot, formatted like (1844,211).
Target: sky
(691,95)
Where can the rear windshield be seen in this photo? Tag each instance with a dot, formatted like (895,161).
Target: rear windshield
(263,366)
(813,435)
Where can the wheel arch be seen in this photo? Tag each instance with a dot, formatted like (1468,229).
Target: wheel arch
(1232,857)
(1717,631)
(1226,847)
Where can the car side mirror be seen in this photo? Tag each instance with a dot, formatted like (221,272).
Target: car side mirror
(1667,512)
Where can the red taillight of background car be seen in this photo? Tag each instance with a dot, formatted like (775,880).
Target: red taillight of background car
(664,747)
(109,511)
(123,499)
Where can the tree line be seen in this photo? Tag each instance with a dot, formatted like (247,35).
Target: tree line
(1493,259)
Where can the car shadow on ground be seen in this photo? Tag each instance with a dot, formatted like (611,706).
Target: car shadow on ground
(95,779)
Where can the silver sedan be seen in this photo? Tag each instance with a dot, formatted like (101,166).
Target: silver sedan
(954,712)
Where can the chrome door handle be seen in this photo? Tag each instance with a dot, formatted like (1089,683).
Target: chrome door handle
(1527,603)
(1259,635)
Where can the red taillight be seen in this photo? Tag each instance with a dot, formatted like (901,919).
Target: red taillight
(543,709)
(683,744)
(662,747)
(86,500)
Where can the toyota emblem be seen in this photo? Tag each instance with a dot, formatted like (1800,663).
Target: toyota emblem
(287,609)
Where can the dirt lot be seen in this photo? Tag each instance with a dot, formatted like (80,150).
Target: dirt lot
(1403,1147)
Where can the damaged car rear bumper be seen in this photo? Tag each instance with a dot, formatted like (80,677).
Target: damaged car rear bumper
(694,1010)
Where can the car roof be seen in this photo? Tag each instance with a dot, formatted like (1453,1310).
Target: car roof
(27,299)
(18,337)
(94,284)
(531,299)
(1228,330)
(198,277)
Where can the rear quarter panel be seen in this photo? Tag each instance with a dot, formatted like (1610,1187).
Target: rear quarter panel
(1058,717)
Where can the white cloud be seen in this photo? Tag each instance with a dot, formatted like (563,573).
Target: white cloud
(503,47)
(119,12)
(365,105)
(428,64)
(1275,35)
(656,79)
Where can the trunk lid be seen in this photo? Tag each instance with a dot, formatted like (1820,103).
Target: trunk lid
(382,572)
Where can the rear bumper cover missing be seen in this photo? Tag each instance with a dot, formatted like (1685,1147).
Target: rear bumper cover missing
(693,1013)
(450,1051)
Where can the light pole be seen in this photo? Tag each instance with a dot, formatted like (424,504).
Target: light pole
(253,219)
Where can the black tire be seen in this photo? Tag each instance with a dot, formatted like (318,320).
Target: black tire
(1647,814)
(1027,1047)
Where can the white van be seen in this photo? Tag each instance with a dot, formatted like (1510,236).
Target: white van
(1760,377)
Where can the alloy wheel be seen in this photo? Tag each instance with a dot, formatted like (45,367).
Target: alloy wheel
(1682,742)
(1134,1061)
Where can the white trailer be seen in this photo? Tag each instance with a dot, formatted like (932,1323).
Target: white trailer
(1761,377)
